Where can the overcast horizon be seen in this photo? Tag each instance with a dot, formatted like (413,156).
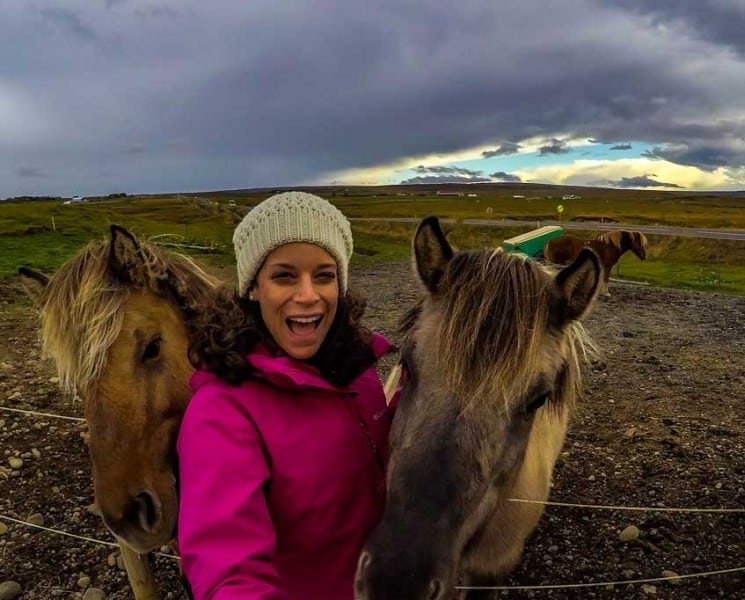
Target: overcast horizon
(131,96)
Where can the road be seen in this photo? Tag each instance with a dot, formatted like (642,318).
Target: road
(721,234)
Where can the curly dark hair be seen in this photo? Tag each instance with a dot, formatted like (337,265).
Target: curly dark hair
(227,328)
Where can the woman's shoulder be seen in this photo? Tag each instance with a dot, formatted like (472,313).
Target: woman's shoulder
(380,345)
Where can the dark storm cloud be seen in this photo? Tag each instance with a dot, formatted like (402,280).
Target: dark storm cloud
(30,172)
(641,181)
(444,179)
(717,21)
(621,147)
(704,156)
(68,21)
(506,177)
(276,93)
(502,150)
(422,170)
(554,147)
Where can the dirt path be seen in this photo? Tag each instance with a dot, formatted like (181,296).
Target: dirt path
(662,424)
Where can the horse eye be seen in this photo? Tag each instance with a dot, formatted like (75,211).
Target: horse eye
(152,350)
(536,403)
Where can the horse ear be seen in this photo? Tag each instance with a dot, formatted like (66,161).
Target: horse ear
(432,252)
(34,284)
(124,253)
(576,287)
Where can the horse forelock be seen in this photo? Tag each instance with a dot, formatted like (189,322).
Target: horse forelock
(487,327)
(493,307)
(81,312)
(639,239)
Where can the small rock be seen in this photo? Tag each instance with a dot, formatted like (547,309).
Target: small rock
(674,577)
(3,528)
(630,533)
(650,590)
(36,519)
(93,509)
(120,563)
(9,590)
(94,594)
(111,559)
(84,582)
(35,453)
(15,462)
(630,433)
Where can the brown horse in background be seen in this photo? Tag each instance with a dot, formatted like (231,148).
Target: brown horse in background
(609,247)
(114,318)
(492,357)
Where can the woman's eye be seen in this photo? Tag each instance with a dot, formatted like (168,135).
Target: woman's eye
(284,275)
(152,350)
(327,276)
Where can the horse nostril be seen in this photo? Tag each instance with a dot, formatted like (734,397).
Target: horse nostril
(144,510)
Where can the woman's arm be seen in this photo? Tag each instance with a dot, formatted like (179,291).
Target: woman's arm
(225,532)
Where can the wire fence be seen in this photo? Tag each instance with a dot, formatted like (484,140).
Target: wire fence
(559,586)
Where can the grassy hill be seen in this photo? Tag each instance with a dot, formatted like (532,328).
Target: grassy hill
(44,233)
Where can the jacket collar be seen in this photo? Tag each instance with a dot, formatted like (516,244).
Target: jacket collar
(286,372)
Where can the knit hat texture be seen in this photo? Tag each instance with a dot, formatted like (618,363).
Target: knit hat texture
(291,217)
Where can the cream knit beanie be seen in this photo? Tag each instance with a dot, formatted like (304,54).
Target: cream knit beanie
(291,217)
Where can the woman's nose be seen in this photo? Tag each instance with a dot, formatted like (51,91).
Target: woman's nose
(306,291)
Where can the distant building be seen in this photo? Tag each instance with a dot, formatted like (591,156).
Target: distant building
(443,193)
(518,196)
(472,195)
(570,197)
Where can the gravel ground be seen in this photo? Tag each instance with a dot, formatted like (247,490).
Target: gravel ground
(662,423)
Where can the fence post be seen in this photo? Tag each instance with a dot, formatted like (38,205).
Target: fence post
(139,573)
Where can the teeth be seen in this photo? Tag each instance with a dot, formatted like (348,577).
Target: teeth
(305,319)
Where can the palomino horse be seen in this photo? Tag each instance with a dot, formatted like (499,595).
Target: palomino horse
(113,318)
(491,357)
(609,247)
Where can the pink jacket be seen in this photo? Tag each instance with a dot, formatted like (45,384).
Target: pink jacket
(281,481)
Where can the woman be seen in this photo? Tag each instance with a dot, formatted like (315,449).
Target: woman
(283,445)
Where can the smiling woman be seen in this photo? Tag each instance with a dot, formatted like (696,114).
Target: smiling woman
(282,447)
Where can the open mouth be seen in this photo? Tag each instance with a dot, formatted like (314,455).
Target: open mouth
(303,325)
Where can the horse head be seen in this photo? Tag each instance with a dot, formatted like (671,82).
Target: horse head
(113,318)
(637,244)
(491,357)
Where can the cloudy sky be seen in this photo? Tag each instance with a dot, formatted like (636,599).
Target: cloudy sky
(106,96)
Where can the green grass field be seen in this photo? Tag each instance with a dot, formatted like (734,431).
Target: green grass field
(43,234)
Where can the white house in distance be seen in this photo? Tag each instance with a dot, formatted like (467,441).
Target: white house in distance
(74,200)
(570,197)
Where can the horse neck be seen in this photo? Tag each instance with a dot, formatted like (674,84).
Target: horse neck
(609,252)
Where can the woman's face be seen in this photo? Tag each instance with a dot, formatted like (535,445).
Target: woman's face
(298,290)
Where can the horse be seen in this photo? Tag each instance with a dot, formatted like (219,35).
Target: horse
(114,320)
(609,247)
(491,358)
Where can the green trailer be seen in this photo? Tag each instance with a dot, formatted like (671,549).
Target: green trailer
(532,242)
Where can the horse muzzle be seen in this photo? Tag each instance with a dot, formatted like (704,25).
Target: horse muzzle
(141,522)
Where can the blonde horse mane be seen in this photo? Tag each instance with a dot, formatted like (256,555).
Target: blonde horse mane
(80,310)
(494,309)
